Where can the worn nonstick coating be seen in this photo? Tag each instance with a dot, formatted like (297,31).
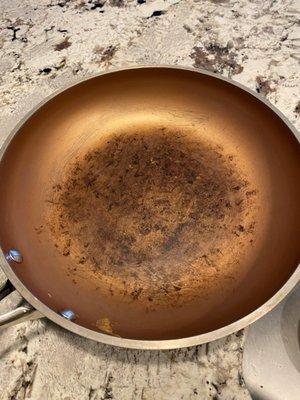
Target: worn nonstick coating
(156,203)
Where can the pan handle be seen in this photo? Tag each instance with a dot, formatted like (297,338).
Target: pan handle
(25,312)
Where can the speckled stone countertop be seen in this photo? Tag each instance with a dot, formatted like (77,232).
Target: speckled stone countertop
(46,45)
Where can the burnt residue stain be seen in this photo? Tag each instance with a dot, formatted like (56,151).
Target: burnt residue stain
(263,86)
(216,58)
(151,208)
(297,108)
(63,45)
(39,229)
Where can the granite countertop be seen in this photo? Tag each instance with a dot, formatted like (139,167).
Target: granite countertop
(46,45)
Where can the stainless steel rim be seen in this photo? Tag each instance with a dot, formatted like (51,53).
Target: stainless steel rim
(149,344)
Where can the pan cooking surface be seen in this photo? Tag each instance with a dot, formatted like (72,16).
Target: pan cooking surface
(157,215)
(156,203)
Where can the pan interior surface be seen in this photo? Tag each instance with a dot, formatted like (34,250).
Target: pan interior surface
(155,203)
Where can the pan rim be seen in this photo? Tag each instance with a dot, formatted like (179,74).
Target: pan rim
(165,344)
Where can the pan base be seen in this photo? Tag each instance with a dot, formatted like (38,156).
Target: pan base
(155,215)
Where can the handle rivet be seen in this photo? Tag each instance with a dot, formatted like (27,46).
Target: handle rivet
(14,255)
(68,314)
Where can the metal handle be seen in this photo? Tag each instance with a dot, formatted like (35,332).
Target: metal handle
(25,312)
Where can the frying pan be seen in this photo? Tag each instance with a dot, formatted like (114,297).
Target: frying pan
(151,207)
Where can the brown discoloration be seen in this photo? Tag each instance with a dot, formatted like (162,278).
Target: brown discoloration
(216,58)
(63,45)
(151,208)
(263,86)
(297,108)
(104,325)
(39,229)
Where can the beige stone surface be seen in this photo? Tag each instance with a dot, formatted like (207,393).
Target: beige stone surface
(45,45)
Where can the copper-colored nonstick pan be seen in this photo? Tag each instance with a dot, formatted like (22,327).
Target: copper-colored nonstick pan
(153,207)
